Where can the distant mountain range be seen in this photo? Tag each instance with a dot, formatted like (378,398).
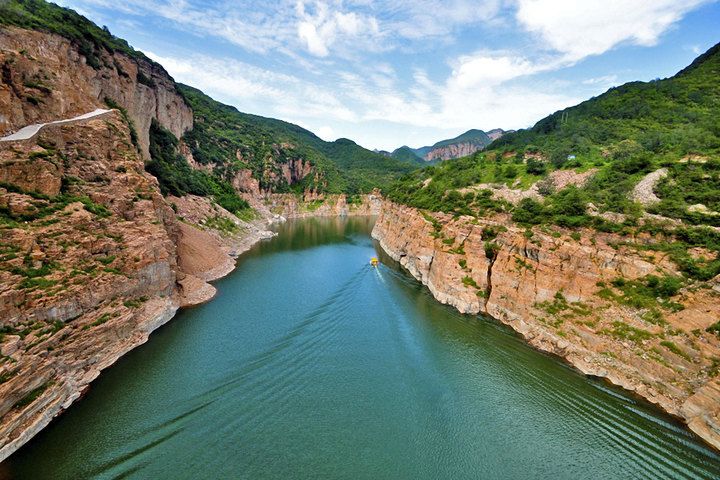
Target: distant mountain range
(460,146)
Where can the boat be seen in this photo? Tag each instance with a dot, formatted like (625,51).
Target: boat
(374,261)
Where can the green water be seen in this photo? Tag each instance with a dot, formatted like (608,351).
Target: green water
(311,364)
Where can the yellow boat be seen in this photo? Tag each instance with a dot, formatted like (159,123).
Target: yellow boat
(374,262)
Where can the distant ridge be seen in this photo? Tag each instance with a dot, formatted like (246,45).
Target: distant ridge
(460,146)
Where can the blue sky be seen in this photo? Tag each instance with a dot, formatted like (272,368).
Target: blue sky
(401,72)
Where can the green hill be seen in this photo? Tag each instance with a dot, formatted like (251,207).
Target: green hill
(625,133)
(474,136)
(407,154)
(230,140)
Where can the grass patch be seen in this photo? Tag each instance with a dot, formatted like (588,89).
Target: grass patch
(675,349)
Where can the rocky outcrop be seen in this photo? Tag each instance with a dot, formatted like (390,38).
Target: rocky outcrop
(456,150)
(45,78)
(555,181)
(92,260)
(320,205)
(496,133)
(87,269)
(556,292)
(643,192)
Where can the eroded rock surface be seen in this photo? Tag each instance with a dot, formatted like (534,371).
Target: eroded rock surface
(45,78)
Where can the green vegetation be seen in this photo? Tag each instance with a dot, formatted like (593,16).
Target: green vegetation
(45,206)
(406,154)
(623,331)
(675,349)
(230,140)
(560,305)
(647,292)
(222,224)
(625,133)
(32,395)
(135,303)
(622,135)
(133,132)
(176,177)
(714,328)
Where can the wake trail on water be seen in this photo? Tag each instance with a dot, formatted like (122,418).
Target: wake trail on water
(267,381)
(658,446)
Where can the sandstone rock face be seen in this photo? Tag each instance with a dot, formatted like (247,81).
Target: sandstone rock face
(45,78)
(549,288)
(319,205)
(87,270)
(200,255)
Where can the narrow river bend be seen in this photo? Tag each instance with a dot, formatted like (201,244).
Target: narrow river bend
(311,364)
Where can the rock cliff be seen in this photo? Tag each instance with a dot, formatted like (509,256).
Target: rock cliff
(92,260)
(318,205)
(45,78)
(557,292)
(456,150)
(88,266)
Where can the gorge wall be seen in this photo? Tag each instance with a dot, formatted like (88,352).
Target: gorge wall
(46,78)
(552,289)
(456,150)
(92,257)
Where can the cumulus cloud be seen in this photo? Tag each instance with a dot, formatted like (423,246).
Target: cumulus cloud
(256,90)
(351,74)
(319,27)
(592,27)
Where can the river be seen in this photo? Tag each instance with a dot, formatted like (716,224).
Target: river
(311,364)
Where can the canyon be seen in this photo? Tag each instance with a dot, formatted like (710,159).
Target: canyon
(96,253)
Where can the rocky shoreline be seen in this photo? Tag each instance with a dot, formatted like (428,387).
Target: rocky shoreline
(545,287)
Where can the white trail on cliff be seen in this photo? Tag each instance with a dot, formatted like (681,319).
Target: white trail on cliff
(30,131)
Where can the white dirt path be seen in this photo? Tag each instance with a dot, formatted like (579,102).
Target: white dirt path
(30,131)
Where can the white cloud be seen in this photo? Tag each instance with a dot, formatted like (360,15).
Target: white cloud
(603,80)
(255,90)
(487,69)
(319,27)
(326,133)
(344,81)
(578,29)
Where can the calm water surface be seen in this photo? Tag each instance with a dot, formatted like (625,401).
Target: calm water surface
(311,364)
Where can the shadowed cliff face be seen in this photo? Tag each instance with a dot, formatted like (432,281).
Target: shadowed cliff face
(556,292)
(45,78)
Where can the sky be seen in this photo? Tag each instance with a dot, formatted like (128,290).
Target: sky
(410,72)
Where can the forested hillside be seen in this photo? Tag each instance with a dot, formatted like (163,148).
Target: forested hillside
(231,140)
(625,133)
